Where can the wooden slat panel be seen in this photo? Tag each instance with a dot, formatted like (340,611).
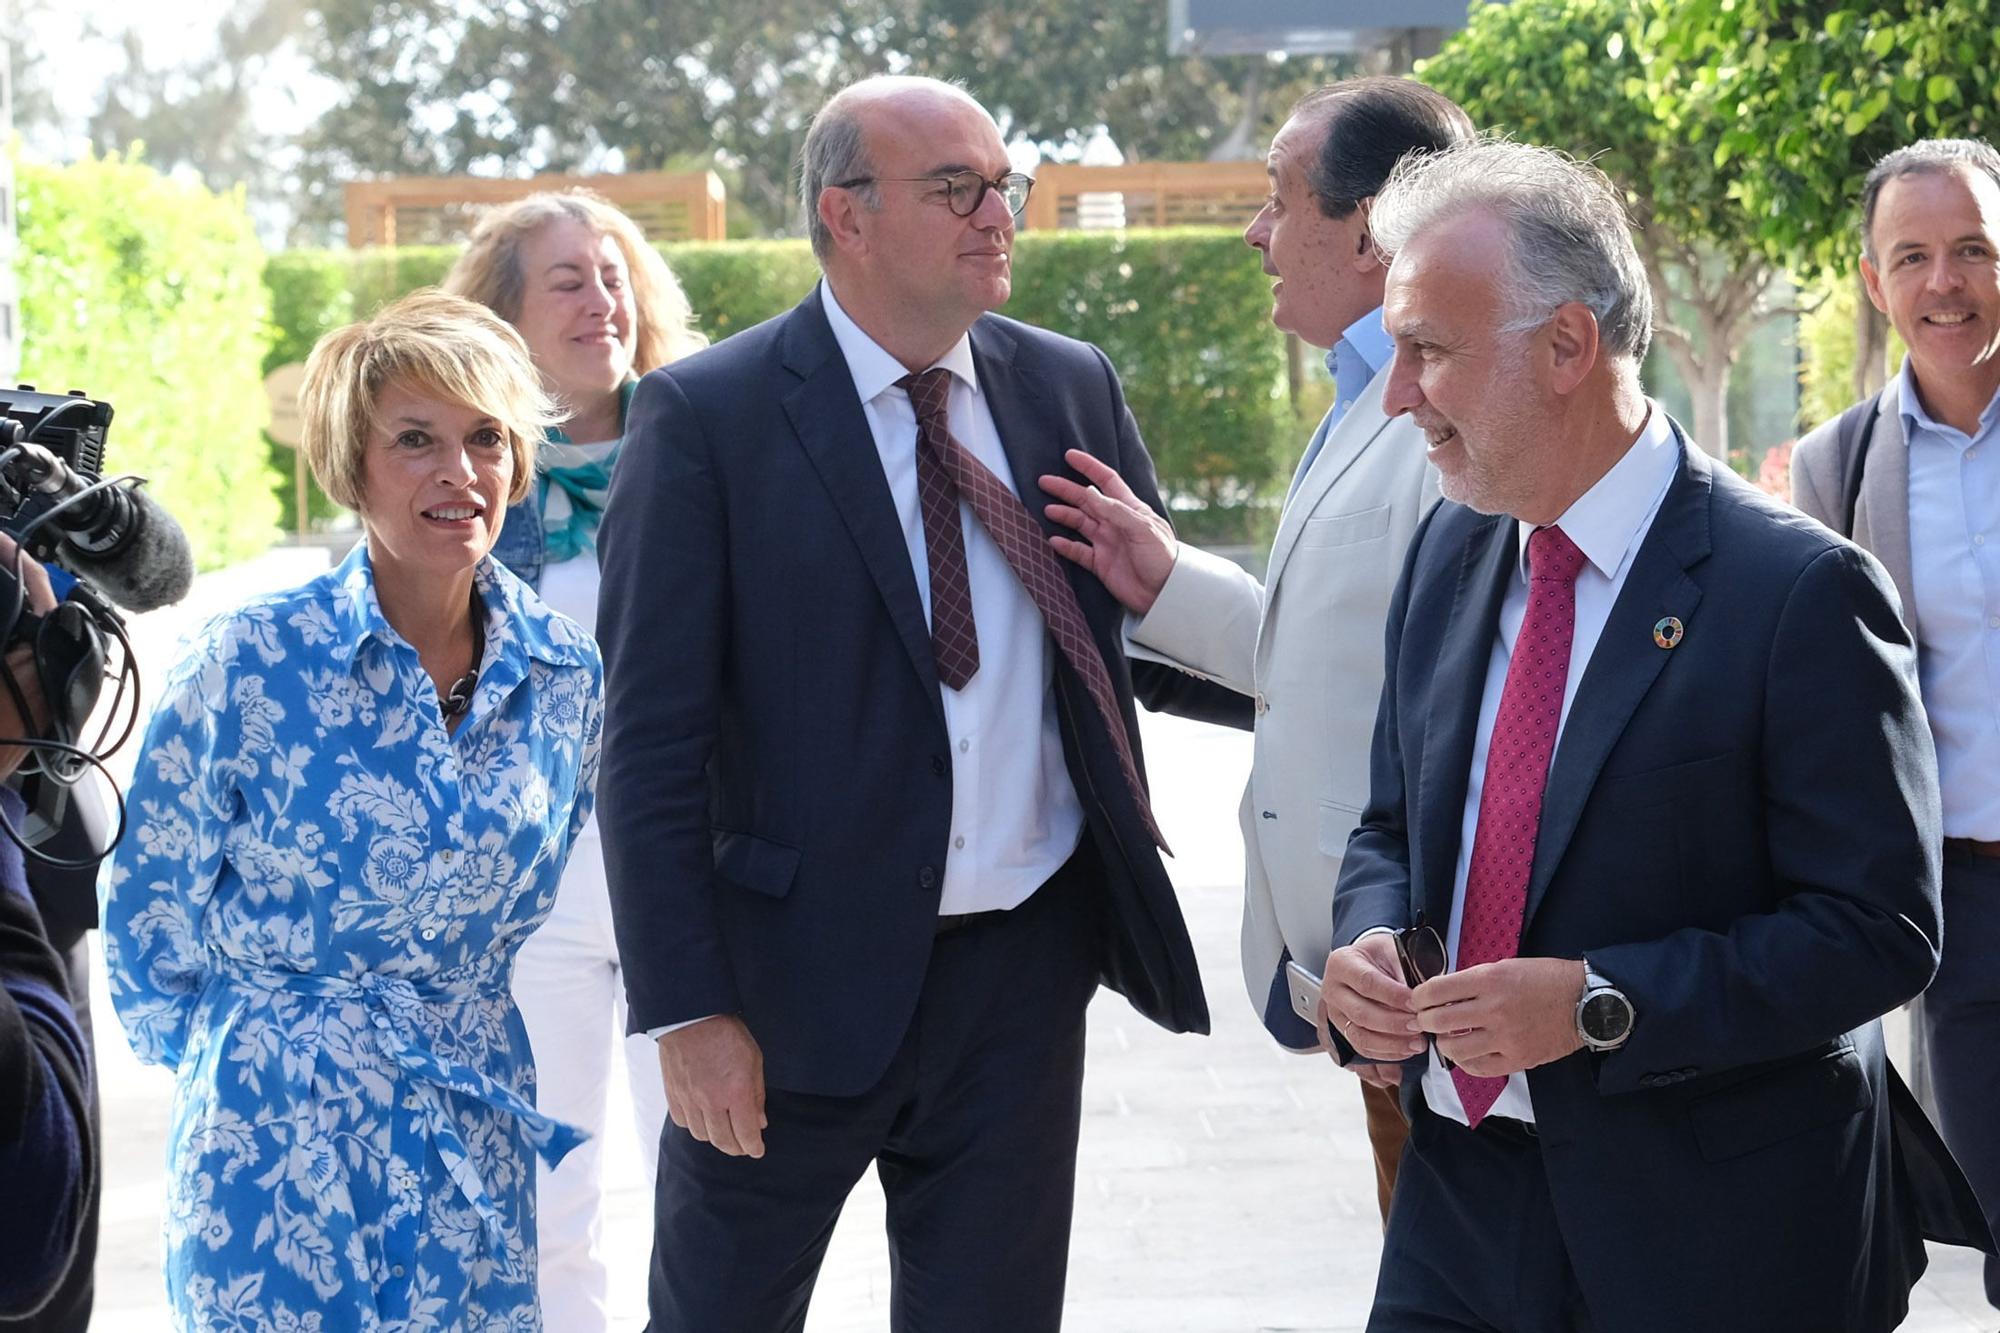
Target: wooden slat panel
(420,210)
(1156,194)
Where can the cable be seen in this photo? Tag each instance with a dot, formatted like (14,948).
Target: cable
(13,834)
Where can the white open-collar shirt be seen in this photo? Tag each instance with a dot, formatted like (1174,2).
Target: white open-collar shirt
(1015,816)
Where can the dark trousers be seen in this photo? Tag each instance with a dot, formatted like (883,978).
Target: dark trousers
(972,1130)
(1472,1244)
(1961,1018)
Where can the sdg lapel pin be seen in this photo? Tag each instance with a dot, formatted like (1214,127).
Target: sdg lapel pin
(1667,633)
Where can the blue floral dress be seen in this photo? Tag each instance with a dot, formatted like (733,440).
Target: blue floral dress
(313,918)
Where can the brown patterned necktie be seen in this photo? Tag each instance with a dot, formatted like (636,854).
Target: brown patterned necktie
(1021,541)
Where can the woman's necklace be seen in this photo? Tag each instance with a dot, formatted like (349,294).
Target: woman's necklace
(459,697)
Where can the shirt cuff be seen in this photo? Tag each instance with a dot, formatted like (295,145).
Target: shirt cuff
(659,1032)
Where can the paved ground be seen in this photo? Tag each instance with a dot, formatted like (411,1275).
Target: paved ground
(1224,1187)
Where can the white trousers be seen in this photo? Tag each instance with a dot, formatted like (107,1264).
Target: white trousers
(571,993)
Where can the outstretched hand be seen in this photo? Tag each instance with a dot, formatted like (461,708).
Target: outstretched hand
(1130,548)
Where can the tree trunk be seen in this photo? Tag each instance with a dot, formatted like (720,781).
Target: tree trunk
(1871,346)
(1709,386)
(1706,374)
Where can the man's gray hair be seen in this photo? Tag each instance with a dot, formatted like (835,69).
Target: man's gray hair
(1934,157)
(835,151)
(1570,238)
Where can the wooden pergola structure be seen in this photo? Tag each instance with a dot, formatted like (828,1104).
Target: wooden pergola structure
(1155,194)
(442,210)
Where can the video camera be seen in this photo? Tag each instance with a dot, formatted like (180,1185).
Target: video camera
(57,506)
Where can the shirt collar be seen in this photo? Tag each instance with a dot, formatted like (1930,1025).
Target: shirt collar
(519,625)
(1606,520)
(1368,340)
(1915,418)
(873,369)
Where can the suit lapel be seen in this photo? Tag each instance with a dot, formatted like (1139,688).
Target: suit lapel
(1626,661)
(834,432)
(1356,431)
(1030,435)
(1882,512)
(1449,724)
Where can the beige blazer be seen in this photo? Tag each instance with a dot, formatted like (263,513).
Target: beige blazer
(1307,643)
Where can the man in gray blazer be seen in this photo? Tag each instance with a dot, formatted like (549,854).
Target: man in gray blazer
(1913,475)
(1307,642)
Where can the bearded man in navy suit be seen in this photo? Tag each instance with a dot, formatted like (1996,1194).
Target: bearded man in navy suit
(873,806)
(1652,839)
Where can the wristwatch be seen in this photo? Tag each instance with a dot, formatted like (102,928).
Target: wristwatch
(1603,1015)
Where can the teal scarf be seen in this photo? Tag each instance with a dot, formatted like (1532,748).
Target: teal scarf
(585,484)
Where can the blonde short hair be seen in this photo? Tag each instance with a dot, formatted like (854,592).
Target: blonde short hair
(489,271)
(432,343)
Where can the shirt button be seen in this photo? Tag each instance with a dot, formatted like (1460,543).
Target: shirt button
(397,1271)
(430,933)
(447,856)
(1994,621)
(959,842)
(963,746)
(1979,539)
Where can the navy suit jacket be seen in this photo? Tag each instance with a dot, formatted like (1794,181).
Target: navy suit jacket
(775,799)
(1742,833)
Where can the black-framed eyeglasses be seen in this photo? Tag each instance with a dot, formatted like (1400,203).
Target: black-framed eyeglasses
(964,191)
(1420,951)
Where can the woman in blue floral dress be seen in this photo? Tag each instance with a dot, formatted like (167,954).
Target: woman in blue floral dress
(354,801)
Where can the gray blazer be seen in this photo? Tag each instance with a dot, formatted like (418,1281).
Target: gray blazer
(1882,513)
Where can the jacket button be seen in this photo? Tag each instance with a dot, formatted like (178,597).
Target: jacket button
(927,878)
(938,765)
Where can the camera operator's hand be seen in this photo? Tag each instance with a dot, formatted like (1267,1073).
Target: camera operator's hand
(20,661)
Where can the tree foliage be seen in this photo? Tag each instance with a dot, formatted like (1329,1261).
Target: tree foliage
(1571,74)
(147,292)
(1814,93)
(509,86)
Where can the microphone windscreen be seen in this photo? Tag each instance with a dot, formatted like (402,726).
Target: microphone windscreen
(151,567)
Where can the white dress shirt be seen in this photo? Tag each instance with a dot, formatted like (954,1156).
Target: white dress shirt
(1015,816)
(1608,522)
(1955,583)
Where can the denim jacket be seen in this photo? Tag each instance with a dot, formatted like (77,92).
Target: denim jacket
(522,546)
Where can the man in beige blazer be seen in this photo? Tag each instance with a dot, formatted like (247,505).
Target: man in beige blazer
(1307,642)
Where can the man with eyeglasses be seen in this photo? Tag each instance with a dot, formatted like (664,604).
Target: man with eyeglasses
(873,806)
(1651,767)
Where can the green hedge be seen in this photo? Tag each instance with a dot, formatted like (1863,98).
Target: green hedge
(144,291)
(1183,314)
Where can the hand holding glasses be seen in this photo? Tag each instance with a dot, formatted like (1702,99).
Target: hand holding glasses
(1421,953)
(964,191)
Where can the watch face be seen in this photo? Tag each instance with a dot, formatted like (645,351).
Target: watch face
(1606,1016)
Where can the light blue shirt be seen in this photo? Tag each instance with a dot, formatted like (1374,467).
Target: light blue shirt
(313,919)
(1364,348)
(1955,585)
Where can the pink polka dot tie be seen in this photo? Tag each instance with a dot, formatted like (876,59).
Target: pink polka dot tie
(1517,773)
